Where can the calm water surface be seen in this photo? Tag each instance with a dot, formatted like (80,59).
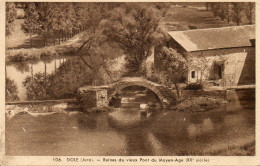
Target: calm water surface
(126,132)
(18,71)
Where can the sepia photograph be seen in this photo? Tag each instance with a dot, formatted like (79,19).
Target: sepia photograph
(130,79)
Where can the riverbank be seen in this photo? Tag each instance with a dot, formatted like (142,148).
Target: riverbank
(200,100)
(246,149)
(23,54)
(199,104)
(46,107)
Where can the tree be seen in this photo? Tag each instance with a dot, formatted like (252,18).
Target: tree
(10,17)
(136,30)
(250,11)
(174,64)
(238,8)
(227,9)
(214,8)
(11,92)
(31,23)
(45,18)
(207,4)
(91,51)
(201,64)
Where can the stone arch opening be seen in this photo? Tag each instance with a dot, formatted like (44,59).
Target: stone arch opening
(119,89)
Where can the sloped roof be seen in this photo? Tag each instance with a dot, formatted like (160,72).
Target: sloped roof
(214,38)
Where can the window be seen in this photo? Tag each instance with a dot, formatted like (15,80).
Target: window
(192,74)
(168,44)
(219,72)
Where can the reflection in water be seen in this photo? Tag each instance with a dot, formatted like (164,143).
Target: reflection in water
(125,132)
(18,71)
(196,129)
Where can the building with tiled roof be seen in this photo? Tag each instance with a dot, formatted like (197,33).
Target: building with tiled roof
(229,53)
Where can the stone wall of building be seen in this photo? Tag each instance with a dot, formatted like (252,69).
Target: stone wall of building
(238,64)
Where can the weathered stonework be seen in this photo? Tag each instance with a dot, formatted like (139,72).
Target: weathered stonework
(229,54)
(238,63)
(100,96)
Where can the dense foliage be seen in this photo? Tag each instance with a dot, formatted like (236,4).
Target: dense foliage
(135,28)
(174,65)
(71,75)
(233,11)
(10,17)
(193,86)
(62,20)
(10,90)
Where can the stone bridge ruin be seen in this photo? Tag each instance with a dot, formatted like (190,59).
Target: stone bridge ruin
(100,96)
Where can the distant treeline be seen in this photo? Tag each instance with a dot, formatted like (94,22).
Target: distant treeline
(233,11)
(56,19)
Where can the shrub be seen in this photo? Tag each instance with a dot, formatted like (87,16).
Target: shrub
(112,71)
(19,55)
(10,90)
(37,87)
(16,58)
(194,86)
(199,104)
(60,85)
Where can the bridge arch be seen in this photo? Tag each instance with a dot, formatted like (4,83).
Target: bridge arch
(157,89)
(118,90)
(100,96)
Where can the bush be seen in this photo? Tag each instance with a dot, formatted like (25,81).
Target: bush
(16,58)
(37,87)
(19,55)
(199,104)
(194,86)
(60,85)
(10,90)
(112,71)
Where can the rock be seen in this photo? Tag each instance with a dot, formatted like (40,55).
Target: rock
(143,106)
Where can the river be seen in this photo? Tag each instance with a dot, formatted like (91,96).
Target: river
(18,71)
(125,132)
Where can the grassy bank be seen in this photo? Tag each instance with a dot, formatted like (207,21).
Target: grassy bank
(246,149)
(23,54)
(192,17)
(199,104)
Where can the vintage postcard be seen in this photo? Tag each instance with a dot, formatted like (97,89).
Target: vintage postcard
(129,83)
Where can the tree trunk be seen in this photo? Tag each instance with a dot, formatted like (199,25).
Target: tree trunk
(59,38)
(237,19)
(30,38)
(44,39)
(177,89)
(250,18)
(45,68)
(32,71)
(55,66)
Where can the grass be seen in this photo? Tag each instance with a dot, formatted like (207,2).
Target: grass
(18,37)
(22,54)
(246,149)
(18,45)
(191,17)
(181,17)
(199,104)
(17,55)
